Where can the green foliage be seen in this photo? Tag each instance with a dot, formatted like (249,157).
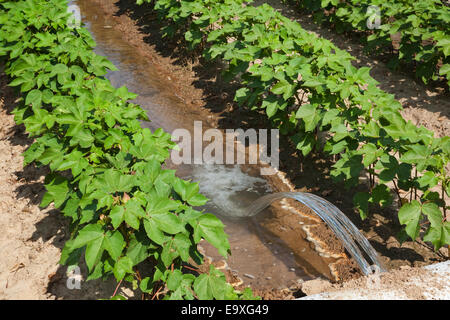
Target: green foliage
(422,28)
(106,171)
(278,63)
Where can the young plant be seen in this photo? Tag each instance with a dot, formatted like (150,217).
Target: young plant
(106,171)
(304,83)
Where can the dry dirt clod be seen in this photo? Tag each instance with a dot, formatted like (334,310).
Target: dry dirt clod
(315,286)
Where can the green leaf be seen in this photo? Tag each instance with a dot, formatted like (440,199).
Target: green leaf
(174,280)
(381,195)
(130,213)
(431,210)
(242,95)
(438,235)
(402,236)
(361,201)
(137,249)
(88,213)
(283,87)
(153,231)
(248,295)
(159,211)
(340,131)
(313,83)
(211,286)
(57,190)
(370,154)
(123,267)
(417,155)
(146,285)
(197,200)
(168,253)
(211,229)
(447,189)
(92,237)
(69,255)
(123,93)
(115,181)
(114,244)
(189,192)
(133,212)
(304,142)
(59,69)
(182,244)
(409,215)
(117,216)
(272,104)
(335,148)
(308,113)
(329,116)
(162,205)
(34,97)
(371,130)
(168,222)
(428,180)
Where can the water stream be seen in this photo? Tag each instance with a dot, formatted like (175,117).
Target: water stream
(265,252)
(344,229)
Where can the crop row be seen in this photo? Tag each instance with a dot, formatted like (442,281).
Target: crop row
(106,170)
(420,27)
(304,84)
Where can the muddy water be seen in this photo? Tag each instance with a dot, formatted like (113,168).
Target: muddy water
(259,254)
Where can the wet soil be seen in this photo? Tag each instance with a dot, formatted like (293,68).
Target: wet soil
(200,84)
(196,88)
(274,241)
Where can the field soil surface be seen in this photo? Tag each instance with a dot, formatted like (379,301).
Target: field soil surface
(31,238)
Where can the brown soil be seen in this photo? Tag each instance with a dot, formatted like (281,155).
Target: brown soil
(404,283)
(200,85)
(32,246)
(394,280)
(28,257)
(195,78)
(31,238)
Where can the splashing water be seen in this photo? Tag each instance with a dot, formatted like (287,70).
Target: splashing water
(344,229)
(223,185)
(229,188)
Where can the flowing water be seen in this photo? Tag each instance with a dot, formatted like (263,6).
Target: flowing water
(344,229)
(264,251)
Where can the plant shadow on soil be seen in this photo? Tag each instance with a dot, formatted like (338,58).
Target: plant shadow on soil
(306,173)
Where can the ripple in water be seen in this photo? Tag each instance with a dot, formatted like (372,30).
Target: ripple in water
(229,189)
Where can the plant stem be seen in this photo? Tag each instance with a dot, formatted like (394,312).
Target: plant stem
(138,275)
(415,188)
(443,199)
(193,269)
(117,288)
(157,292)
(397,191)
